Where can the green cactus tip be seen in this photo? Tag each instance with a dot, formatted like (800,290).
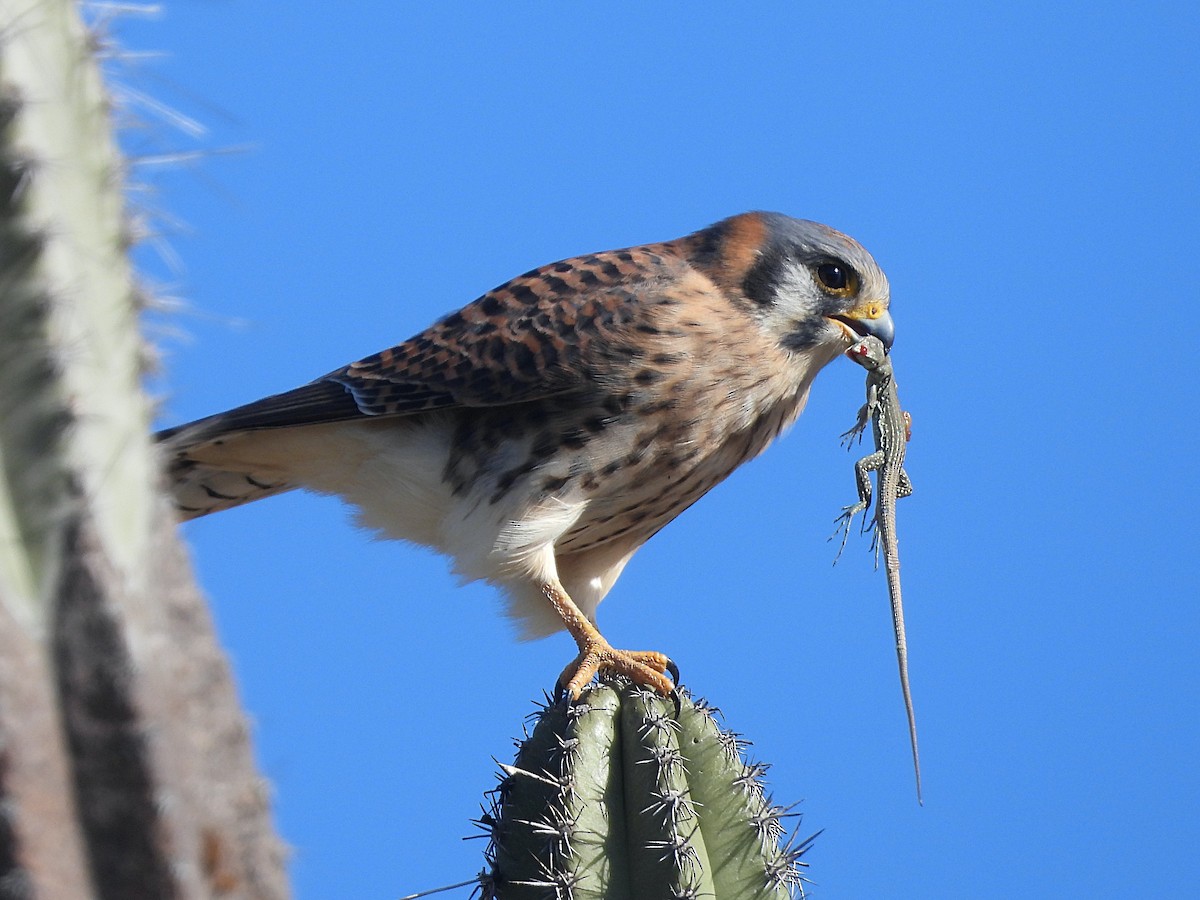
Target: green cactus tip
(619,796)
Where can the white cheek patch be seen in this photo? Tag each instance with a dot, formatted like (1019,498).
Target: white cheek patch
(796,298)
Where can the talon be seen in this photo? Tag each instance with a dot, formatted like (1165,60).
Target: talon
(560,692)
(644,667)
(677,699)
(673,671)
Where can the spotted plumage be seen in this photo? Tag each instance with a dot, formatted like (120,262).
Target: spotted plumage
(541,434)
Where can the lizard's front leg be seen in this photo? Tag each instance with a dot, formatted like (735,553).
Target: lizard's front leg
(865,412)
(856,431)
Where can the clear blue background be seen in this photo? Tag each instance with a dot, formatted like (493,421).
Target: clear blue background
(1027,177)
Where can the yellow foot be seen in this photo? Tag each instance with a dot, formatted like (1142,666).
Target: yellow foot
(644,667)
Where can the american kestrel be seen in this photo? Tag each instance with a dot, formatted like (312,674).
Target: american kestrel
(541,434)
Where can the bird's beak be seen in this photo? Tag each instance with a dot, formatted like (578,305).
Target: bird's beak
(871,318)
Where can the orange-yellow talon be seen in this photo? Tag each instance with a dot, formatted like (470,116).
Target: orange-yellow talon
(644,667)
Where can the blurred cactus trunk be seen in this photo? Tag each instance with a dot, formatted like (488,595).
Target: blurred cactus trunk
(125,764)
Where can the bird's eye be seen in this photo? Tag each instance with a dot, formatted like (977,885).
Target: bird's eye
(836,277)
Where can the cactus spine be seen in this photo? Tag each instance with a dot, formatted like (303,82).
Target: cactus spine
(617,796)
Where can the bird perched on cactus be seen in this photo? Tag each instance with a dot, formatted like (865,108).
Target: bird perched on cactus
(541,434)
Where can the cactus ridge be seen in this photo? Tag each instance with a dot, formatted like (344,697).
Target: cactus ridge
(616,797)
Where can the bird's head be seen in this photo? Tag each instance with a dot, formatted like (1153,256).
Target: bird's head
(813,288)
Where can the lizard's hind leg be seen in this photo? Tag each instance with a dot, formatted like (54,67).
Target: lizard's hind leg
(862,475)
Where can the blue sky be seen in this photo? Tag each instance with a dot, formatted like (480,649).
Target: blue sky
(1026,175)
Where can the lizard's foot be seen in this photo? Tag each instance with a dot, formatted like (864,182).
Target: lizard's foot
(644,667)
(876,544)
(849,437)
(843,523)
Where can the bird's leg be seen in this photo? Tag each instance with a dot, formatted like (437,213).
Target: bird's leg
(644,667)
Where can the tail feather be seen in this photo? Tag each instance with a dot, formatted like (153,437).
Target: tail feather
(201,488)
(208,473)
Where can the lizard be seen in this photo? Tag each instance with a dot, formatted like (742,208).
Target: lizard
(892,428)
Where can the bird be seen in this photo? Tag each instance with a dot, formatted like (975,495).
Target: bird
(541,434)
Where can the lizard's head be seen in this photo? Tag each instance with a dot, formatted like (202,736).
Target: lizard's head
(868,353)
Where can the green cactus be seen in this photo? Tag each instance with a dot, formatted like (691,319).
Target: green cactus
(623,795)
